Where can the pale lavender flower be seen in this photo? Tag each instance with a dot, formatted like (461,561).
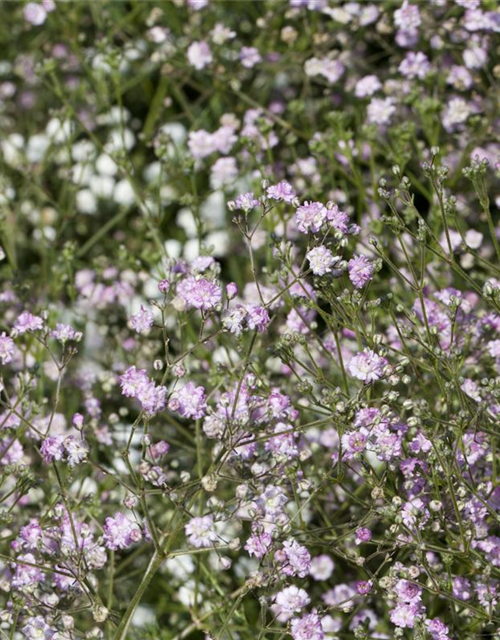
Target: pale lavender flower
(142,321)
(37,629)
(65,332)
(11,451)
(31,534)
(308,627)
(200,532)
(337,219)
(258,545)
(310,217)
(408,16)
(199,293)
(456,113)
(26,575)
(132,381)
(152,397)
(360,271)
(295,559)
(136,384)
(367,366)
(332,70)
(249,57)
(189,401)
(199,55)
(224,171)
(201,144)
(321,260)
(245,202)
(475,57)
(271,501)
(76,450)
(367,86)
(224,139)
(233,319)
(322,567)
(289,601)
(77,421)
(282,191)
(460,78)
(461,588)
(7,348)
(197,5)
(28,322)
(52,449)
(404,616)
(257,318)
(415,65)
(381,110)
(202,263)
(35,13)
(437,629)
(363,535)
(407,591)
(164,286)
(231,290)
(120,532)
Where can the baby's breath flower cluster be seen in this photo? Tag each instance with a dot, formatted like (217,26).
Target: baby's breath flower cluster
(250,320)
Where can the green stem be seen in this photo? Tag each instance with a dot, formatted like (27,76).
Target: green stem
(154,565)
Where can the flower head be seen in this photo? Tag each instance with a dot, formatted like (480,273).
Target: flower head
(200,532)
(189,401)
(367,366)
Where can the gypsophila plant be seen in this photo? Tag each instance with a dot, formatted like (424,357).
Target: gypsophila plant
(250,320)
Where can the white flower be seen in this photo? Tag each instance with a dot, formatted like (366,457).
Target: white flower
(199,55)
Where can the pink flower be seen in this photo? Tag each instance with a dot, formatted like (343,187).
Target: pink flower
(199,293)
(245,202)
(52,449)
(310,217)
(199,55)
(65,332)
(7,348)
(258,545)
(408,16)
(28,322)
(249,57)
(282,191)
(360,271)
(35,14)
(132,380)
(200,532)
(76,450)
(289,601)
(321,260)
(142,321)
(363,535)
(322,567)
(136,384)
(308,627)
(257,318)
(381,110)
(120,532)
(231,290)
(189,402)
(404,615)
(415,65)
(295,559)
(367,366)
(367,86)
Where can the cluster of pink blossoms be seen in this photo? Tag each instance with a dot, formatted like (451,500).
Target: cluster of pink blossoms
(135,383)
(281,414)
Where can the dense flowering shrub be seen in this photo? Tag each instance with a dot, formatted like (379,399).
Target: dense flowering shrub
(250,320)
